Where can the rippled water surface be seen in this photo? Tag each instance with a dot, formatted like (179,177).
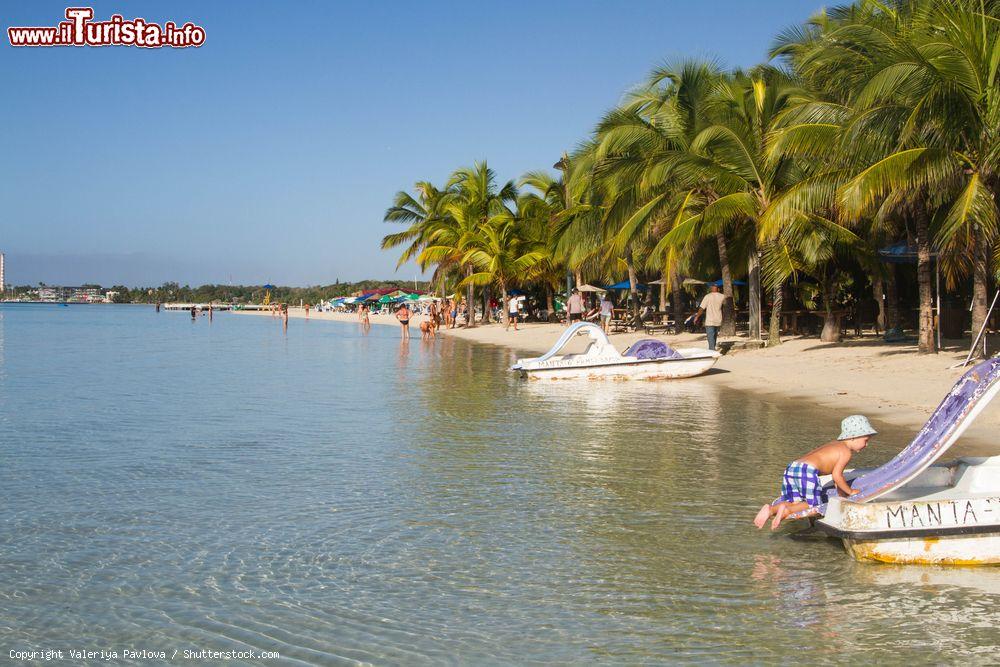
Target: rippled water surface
(338,497)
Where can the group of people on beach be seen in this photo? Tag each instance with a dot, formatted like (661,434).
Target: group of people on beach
(443,314)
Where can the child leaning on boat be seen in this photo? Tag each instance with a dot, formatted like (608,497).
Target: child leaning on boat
(800,487)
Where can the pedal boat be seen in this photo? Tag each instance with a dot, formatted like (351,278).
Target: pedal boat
(947,515)
(646,359)
(913,511)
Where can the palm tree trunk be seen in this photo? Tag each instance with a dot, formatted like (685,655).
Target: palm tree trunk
(579,278)
(487,317)
(925,335)
(550,304)
(470,303)
(891,299)
(831,332)
(980,287)
(504,308)
(728,327)
(665,277)
(878,289)
(633,280)
(753,297)
(774,329)
(677,300)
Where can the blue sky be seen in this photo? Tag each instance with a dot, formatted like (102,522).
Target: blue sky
(271,153)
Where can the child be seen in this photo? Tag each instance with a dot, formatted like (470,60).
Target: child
(800,487)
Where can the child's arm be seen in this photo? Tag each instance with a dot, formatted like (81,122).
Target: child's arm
(838,473)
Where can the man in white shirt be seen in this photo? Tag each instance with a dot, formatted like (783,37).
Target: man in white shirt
(711,308)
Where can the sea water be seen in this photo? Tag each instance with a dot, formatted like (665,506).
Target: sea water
(331,496)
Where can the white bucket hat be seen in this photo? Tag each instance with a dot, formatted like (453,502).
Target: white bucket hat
(855,426)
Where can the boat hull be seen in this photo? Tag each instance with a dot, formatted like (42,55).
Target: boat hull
(949,515)
(655,369)
(977,549)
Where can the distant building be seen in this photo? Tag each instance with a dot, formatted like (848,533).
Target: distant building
(3,284)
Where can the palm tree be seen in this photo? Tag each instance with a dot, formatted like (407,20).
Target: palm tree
(424,214)
(541,209)
(473,200)
(502,256)
(653,179)
(871,51)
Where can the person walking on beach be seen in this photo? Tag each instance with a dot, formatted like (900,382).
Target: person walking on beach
(607,310)
(512,313)
(800,486)
(574,306)
(453,305)
(711,308)
(403,315)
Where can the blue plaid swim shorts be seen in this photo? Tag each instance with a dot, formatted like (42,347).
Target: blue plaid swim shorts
(801,483)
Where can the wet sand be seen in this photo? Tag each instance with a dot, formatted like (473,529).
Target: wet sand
(887,381)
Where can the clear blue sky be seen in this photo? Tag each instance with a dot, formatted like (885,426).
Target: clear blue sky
(272,152)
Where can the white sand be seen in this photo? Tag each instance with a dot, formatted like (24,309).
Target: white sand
(887,382)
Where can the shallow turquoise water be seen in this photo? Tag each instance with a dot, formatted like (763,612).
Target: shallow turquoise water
(339,497)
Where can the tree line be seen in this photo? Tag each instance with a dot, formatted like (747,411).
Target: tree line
(873,122)
(172,291)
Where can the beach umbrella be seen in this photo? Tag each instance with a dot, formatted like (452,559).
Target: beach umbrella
(591,288)
(386,299)
(624,285)
(412,297)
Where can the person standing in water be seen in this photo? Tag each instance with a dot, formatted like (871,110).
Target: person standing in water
(194,314)
(403,315)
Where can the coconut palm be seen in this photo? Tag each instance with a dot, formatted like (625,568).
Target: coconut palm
(424,214)
(652,178)
(502,256)
(473,199)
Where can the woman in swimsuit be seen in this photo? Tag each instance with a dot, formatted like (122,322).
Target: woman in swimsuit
(403,315)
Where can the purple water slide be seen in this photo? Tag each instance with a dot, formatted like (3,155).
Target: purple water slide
(957,411)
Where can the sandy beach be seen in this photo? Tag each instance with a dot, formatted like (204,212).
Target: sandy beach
(887,381)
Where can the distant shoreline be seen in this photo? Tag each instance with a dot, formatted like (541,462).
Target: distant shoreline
(857,376)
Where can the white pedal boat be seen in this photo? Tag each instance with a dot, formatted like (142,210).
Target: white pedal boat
(949,515)
(647,359)
(911,511)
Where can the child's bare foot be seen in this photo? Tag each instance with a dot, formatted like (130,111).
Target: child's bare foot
(762,516)
(779,517)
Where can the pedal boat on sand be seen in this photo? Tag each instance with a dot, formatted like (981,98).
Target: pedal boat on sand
(913,511)
(646,359)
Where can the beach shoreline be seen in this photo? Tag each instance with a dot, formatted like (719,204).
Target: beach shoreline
(889,382)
